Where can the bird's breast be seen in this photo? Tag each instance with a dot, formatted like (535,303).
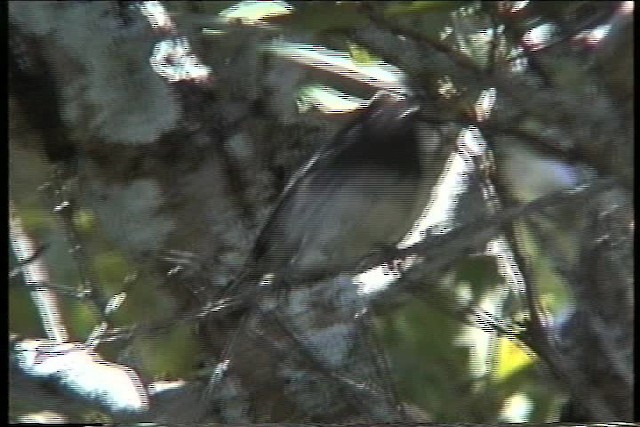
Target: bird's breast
(334,221)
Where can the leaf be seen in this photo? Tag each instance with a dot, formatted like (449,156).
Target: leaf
(362,56)
(415,7)
(511,358)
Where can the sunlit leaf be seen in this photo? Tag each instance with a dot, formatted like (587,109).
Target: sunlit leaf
(362,56)
(327,100)
(403,8)
(252,11)
(511,358)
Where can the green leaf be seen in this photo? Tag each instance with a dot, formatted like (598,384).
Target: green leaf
(414,7)
(362,56)
(511,358)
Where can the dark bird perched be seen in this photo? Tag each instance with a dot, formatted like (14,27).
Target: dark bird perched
(359,193)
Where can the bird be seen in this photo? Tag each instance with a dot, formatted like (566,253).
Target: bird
(360,192)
